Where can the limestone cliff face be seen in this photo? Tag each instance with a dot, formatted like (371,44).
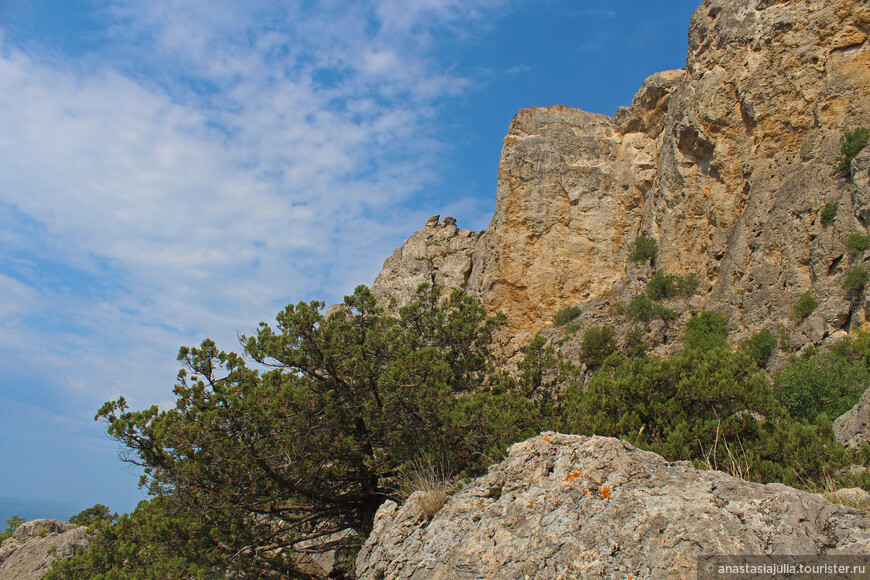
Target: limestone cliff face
(726,163)
(439,254)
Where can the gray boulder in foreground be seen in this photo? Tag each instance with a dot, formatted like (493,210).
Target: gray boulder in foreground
(569,506)
(34,545)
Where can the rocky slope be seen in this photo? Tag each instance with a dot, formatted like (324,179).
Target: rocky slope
(568,506)
(726,163)
(34,545)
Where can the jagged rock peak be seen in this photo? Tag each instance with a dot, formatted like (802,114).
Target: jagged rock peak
(438,254)
(726,163)
(568,506)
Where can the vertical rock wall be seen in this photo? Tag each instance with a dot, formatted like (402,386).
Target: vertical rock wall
(726,163)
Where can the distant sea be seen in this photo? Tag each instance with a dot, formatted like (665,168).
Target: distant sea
(34,509)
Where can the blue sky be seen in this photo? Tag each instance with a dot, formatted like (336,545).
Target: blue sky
(172,170)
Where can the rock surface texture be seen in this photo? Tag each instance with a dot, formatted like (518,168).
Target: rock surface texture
(852,428)
(28,554)
(568,506)
(439,254)
(726,163)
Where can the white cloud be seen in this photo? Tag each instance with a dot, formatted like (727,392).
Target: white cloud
(213,162)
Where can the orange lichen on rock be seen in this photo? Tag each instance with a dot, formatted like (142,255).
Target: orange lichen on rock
(573,476)
(604,491)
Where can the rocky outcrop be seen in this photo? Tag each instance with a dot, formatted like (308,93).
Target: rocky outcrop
(34,545)
(726,163)
(439,254)
(852,428)
(568,506)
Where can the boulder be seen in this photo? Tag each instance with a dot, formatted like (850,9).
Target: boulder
(34,545)
(569,506)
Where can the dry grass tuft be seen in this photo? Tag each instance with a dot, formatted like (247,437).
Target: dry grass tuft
(433,481)
(737,465)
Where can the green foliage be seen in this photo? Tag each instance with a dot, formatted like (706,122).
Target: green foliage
(663,285)
(159,539)
(97,516)
(698,404)
(854,348)
(805,306)
(598,344)
(828,212)
(707,331)
(759,347)
(309,447)
(822,384)
(856,278)
(784,340)
(566,315)
(11,525)
(644,248)
(643,309)
(850,145)
(857,243)
(634,345)
(538,367)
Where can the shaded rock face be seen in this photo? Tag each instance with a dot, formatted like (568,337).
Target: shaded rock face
(34,545)
(568,506)
(852,428)
(726,163)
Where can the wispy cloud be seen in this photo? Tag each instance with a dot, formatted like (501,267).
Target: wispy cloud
(208,164)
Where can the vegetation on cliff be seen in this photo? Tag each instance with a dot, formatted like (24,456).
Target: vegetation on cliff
(290,448)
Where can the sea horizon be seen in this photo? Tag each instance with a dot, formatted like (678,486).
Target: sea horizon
(36,508)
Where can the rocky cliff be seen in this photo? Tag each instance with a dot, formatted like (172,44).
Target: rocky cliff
(34,545)
(726,163)
(568,506)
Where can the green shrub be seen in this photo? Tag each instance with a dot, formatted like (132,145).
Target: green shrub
(566,315)
(634,346)
(850,145)
(643,248)
(784,340)
(759,347)
(856,278)
(96,516)
(707,331)
(828,212)
(663,285)
(857,243)
(822,384)
(598,344)
(853,348)
(159,539)
(642,308)
(687,284)
(11,525)
(697,405)
(804,307)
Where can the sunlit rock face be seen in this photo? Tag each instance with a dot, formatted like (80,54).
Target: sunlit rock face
(568,506)
(726,163)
